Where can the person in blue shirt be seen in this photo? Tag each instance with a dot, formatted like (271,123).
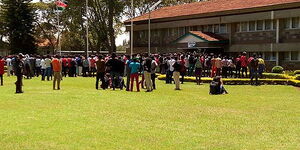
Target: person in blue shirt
(134,74)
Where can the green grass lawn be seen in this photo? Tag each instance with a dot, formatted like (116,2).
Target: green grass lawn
(79,117)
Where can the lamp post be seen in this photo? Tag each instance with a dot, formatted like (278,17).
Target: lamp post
(149,25)
(87,29)
(131,30)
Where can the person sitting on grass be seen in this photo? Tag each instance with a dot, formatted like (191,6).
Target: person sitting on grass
(217,86)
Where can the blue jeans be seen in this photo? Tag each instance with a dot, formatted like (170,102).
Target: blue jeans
(47,73)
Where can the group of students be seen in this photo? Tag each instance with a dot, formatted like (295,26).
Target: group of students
(111,69)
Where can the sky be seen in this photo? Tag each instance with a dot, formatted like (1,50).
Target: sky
(119,39)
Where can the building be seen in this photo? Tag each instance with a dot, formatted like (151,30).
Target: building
(268,27)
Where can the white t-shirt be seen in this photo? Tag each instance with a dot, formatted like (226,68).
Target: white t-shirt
(171,63)
(48,62)
(43,64)
(8,62)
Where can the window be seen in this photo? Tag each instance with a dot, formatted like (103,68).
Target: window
(200,28)
(274,24)
(287,23)
(260,25)
(286,56)
(238,27)
(295,22)
(270,56)
(252,26)
(181,31)
(244,26)
(210,28)
(187,30)
(294,55)
(205,28)
(223,28)
(268,24)
(216,28)
(194,28)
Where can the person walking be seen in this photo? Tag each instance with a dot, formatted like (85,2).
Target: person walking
(176,73)
(100,65)
(134,74)
(19,69)
(2,62)
(57,70)
(261,66)
(183,68)
(154,66)
(244,64)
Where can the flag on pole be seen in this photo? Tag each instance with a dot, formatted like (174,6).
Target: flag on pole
(61,5)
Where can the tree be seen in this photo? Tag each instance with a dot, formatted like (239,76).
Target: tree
(18,18)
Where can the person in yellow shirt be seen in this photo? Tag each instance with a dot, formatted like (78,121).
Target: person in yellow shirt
(261,66)
(57,68)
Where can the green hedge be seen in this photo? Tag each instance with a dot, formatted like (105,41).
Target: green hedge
(296,72)
(237,81)
(277,69)
(276,76)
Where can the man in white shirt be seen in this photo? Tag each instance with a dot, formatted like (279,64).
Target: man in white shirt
(43,68)
(170,71)
(9,66)
(48,68)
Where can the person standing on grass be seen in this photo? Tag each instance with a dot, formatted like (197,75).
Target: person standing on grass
(183,69)
(2,62)
(147,73)
(48,67)
(218,63)
(127,69)
(19,69)
(38,66)
(244,64)
(57,69)
(198,70)
(100,65)
(261,66)
(238,66)
(134,74)
(254,69)
(154,66)
(176,73)
(114,65)
(9,65)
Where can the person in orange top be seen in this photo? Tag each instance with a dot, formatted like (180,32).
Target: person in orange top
(57,68)
(1,70)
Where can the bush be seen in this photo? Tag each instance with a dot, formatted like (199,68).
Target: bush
(296,72)
(276,76)
(277,69)
(297,77)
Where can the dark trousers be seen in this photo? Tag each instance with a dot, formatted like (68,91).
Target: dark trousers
(100,76)
(244,70)
(254,74)
(37,71)
(84,71)
(182,77)
(153,76)
(1,78)
(169,77)
(64,71)
(225,72)
(19,84)
(128,81)
(238,72)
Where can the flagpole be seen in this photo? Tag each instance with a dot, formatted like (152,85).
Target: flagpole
(87,30)
(131,33)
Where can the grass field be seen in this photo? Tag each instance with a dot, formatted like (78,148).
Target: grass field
(79,117)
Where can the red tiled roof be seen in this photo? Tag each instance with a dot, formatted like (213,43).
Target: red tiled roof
(208,36)
(211,6)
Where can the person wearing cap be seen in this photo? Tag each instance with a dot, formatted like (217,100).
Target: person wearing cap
(1,70)
(19,70)
(57,69)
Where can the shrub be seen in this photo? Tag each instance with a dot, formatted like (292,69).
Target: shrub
(276,76)
(296,72)
(297,77)
(277,69)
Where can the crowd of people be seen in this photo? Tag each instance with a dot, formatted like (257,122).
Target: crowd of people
(111,69)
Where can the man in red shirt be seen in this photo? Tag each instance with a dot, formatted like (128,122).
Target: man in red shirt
(244,64)
(57,67)
(1,69)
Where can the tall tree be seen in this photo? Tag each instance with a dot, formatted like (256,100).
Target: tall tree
(18,18)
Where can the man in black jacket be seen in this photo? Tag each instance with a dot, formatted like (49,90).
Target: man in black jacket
(19,69)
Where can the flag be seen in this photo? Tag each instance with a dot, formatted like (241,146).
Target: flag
(61,5)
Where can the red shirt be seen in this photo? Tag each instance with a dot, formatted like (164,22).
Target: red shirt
(2,66)
(64,62)
(244,61)
(69,62)
(56,65)
(92,62)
